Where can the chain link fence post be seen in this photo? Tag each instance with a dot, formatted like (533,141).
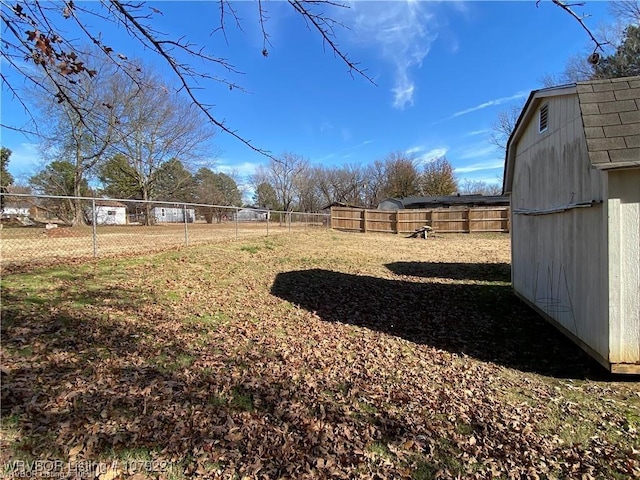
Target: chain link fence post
(268,216)
(186,228)
(237,210)
(94,227)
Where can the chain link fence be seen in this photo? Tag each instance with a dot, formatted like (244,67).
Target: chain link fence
(45,228)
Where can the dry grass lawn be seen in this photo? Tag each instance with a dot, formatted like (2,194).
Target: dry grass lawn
(313,355)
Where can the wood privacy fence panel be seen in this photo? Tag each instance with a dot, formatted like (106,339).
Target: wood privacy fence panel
(444,220)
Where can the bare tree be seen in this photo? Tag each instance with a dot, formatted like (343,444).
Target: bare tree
(577,69)
(83,135)
(36,34)
(479,187)
(282,173)
(401,175)
(503,125)
(626,11)
(156,126)
(374,183)
(438,178)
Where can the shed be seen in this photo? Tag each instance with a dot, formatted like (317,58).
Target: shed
(444,201)
(253,214)
(110,212)
(166,214)
(573,171)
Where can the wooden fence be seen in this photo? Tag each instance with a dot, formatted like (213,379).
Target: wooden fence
(442,220)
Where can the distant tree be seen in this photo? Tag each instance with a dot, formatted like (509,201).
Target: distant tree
(207,192)
(79,131)
(438,178)
(58,178)
(155,126)
(119,179)
(218,190)
(577,69)
(282,174)
(265,197)
(341,184)
(374,184)
(479,187)
(6,178)
(625,62)
(228,187)
(503,125)
(174,182)
(402,178)
(308,196)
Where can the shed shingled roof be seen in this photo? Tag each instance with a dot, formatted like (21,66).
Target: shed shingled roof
(611,116)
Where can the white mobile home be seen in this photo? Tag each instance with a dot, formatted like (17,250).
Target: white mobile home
(253,214)
(172,214)
(573,172)
(110,212)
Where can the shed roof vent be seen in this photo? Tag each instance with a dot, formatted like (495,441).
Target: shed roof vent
(544,118)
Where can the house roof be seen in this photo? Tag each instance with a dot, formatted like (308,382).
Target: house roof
(109,203)
(340,204)
(610,111)
(450,200)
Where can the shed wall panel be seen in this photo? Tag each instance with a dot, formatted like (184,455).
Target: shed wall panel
(624,265)
(559,259)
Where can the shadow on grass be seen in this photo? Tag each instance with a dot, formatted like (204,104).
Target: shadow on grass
(484,321)
(96,369)
(484,272)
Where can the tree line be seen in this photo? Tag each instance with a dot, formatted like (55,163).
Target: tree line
(288,182)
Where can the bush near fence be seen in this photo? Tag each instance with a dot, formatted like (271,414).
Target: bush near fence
(442,220)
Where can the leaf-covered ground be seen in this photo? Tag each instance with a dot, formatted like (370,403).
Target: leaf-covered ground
(316,355)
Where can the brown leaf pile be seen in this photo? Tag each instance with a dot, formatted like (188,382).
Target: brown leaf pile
(321,355)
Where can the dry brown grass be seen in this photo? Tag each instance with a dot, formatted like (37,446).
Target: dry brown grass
(27,245)
(316,355)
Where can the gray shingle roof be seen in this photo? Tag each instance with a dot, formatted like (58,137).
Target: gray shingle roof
(611,116)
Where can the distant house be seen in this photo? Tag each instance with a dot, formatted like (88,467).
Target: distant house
(110,212)
(172,214)
(253,214)
(573,172)
(444,201)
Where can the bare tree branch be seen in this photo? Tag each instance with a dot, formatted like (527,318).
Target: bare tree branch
(325,26)
(567,7)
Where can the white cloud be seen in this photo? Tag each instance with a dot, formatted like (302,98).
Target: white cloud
(403,31)
(492,103)
(423,155)
(244,169)
(473,133)
(476,167)
(477,150)
(433,154)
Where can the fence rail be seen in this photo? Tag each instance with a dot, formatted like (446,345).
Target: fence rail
(37,228)
(443,220)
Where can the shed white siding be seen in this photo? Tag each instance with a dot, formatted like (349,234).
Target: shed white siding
(172,214)
(107,215)
(559,258)
(624,265)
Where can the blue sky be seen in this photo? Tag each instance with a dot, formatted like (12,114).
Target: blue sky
(443,71)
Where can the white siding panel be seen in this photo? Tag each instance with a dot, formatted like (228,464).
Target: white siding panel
(559,260)
(624,265)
